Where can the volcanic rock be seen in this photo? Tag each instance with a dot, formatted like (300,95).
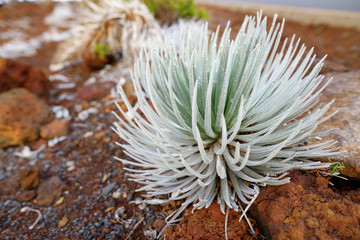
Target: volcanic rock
(345,88)
(21,115)
(14,74)
(208,224)
(63,222)
(26,196)
(49,191)
(307,208)
(129,89)
(29,179)
(95,90)
(94,62)
(10,185)
(56,128)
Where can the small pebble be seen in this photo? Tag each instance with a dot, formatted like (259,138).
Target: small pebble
(117,194)
(70,166)
(108,188)
(63,222)
(129,196)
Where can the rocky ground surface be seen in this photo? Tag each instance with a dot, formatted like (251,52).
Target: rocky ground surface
(57,148)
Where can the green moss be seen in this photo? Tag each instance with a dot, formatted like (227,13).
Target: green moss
(336,167)
(170,10)
(101,49)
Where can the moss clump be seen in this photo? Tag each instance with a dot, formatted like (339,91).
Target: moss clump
(167,11)
(101,49)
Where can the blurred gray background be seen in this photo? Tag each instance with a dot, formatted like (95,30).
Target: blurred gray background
(342,5)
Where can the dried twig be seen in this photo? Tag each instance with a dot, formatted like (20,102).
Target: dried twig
(132,230)
(24,209)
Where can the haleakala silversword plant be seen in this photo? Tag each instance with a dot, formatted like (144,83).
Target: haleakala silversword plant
(217,122)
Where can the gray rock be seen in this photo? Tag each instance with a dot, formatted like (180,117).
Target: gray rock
(49,191)
(108,188)
(345,88)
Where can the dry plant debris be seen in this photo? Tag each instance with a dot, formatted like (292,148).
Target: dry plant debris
(106,29)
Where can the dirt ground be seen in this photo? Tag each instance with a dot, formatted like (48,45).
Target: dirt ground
(81,191)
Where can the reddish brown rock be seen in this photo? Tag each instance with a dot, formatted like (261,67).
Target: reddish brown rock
(94,62)
(14,74)
(345,88)
(129,89)
(95,90)
(208,224)
(36,145)
(26,196)
(122,105)
(99,136)
(159,224)
(21,115)
(10,185)
(56,128)
(29,179)
(307,208)
(49,191)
